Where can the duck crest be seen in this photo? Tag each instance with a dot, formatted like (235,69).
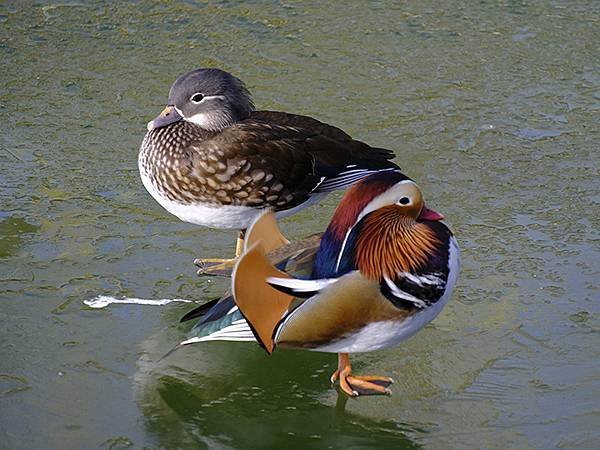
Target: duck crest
(389,243)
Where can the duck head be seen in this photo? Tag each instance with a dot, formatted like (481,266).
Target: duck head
(385,188)
(210,98)
(384,199)
(393,234)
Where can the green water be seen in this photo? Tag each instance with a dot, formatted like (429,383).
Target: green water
(492,106)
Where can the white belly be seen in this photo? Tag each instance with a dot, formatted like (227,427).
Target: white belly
(223,216)
(216,216)
(378,335)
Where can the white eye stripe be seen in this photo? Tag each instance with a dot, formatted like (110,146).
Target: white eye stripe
(383,199)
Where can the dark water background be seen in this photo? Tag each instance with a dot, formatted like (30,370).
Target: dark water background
(492,106)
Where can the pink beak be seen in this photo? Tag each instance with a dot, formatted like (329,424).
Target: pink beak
(429,214)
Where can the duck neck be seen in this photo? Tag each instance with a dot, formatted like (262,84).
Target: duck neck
(174,138)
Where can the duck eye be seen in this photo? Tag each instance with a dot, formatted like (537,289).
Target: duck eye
(197,97)
(404,201)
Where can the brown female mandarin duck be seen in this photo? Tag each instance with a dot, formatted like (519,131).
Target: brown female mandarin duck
(384,268)
(211,159)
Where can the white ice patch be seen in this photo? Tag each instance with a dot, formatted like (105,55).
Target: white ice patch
(102,301)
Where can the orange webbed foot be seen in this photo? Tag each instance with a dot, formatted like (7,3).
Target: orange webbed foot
(215,266)
(220,266)
(359,385)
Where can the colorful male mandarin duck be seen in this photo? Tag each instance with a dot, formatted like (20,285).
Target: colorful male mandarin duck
(211,159)
(384,268)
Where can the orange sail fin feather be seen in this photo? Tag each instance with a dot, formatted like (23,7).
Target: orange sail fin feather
(262,306)
(265,230)
(387,246)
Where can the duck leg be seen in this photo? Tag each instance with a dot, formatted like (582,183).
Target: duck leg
(359,385)
(239,245)
(220,266)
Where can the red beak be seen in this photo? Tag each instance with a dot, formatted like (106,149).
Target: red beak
(429,214)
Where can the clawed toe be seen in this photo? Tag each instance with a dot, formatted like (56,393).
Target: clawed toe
(215,266)
(381,381)
(364,387)
(355,386)
(359,385)
(220,266)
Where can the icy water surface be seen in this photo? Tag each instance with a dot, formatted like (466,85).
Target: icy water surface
(491,106)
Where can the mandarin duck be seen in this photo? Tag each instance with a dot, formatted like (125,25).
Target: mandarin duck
(384,268)
(211,159)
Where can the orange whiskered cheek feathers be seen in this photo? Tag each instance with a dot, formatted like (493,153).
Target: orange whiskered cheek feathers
(390,243)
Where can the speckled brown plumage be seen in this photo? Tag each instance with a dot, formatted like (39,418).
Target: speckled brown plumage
(267,160)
